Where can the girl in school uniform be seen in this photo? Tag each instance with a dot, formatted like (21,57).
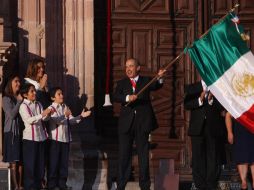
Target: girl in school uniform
(34,137)
(12,130)
(60,138)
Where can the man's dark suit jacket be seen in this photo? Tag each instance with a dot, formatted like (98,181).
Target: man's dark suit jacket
(209,115)
(141,108)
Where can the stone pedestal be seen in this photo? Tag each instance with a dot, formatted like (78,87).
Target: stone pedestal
(166,177)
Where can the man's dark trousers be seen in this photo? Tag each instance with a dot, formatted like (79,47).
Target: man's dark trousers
(125,156)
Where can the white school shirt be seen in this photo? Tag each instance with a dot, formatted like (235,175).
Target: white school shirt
(30,113)
(59,125)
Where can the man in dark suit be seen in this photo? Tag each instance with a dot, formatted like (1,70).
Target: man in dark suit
(136,121)
(206,130)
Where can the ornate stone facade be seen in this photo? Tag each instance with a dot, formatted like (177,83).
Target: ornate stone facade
(61,32)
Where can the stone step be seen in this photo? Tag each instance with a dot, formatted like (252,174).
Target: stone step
(166,178)
(130,186)
(95,186)
(92,174)
(87,168)
(135,186)
(222,185)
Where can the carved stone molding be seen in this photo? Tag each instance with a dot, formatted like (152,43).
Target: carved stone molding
(40,31)
(147,6)
(6,49)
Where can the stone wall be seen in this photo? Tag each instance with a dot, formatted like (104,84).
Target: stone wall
(62,33)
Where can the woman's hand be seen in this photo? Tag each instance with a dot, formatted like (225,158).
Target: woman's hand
(43,81)
(19,97)
(230,138)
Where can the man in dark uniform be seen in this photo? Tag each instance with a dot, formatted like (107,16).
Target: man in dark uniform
(205,130)
(136,121)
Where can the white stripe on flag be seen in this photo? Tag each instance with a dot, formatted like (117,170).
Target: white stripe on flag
(235,101)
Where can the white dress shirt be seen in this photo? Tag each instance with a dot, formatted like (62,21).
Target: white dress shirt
(59,124)
(30,113)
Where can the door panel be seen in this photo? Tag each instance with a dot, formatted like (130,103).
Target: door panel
(155,42)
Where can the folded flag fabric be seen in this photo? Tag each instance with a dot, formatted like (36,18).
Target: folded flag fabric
(226,64)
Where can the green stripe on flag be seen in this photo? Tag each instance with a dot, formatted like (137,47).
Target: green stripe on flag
(218,50)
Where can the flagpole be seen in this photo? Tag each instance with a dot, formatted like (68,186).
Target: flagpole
(180,55)
(231,10)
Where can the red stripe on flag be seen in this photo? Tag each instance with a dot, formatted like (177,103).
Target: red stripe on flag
(247,119)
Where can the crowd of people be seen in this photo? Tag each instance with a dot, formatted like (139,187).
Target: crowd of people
(37,130)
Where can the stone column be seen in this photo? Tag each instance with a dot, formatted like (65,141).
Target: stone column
(61,32)
(89,52)
(31,14)
(79,46)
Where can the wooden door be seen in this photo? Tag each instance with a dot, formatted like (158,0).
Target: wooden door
(155,32)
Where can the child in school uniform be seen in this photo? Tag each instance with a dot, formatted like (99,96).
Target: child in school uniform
(37,76)
(60,138)
(34,137)
(12,130)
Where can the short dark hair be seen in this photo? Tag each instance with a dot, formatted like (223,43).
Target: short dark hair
(52,91)
(25,88)
(8,88)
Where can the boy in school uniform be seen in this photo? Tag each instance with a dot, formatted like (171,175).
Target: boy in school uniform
(34,137)
(60,138)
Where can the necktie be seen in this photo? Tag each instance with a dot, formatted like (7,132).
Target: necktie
(133,84)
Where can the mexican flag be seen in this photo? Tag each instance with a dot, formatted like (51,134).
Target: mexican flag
(226,65)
